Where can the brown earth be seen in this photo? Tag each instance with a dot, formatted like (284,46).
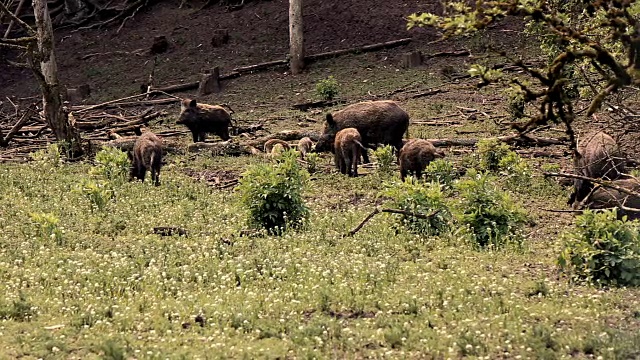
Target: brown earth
(258,32)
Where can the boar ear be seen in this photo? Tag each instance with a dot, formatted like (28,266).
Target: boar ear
(330,120)
(193,103)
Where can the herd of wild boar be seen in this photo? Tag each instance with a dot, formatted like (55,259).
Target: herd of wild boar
(348,134)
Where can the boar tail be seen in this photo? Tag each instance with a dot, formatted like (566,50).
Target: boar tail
(360,145)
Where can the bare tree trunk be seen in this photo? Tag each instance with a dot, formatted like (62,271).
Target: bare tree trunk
(56,116)
(296,45)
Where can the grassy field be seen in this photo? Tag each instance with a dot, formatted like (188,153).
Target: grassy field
(83,282)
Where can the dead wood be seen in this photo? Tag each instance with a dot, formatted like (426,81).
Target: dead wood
(4,141)
(424,93)
(366,48)
(518,139)
(194,85)
(377,210)
(447,53)
(237,130)
(170,231)
(317,104)
(605,183)
(137,52)
(261,66)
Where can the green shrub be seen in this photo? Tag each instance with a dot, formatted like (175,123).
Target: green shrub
(516,169)
(491,152)
(272,194)
(312,160)
(442,172)
(490,213)
(423,198)
(327,89)
(98,192)
(47,225)
(385,158)
(112,165)
(602,249)
(50,156)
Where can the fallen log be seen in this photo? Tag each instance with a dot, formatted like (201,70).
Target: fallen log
(377,210)
(125,143)
(511,139)
(261,66)
(222,148)
(194,85)
(4,141)
(317,104)
(366,48)
(170,231)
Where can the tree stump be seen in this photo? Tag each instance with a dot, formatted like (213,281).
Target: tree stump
(160,45)
(412,59)
(220,37)
(210,82)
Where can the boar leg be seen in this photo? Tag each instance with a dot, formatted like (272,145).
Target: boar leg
(365,156)
(201,136)
(195,136)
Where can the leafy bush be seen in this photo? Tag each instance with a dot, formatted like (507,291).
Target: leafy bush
(111,164)
(48,157)
(423,198)
(47,225)
(442,172)
(516,168)
(490,213)
(98,192)
(603,249)
(312,160)
(491,151)
(327,89)
(385,158)
(272,193)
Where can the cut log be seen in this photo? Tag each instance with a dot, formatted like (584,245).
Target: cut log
(125,143)
(261,66)
(372,47)
(194,85)
(222,148)
(210,82)
(511,139)
(412,59)
(220,37)
(317,104)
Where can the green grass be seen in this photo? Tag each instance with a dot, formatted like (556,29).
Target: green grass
(111,289)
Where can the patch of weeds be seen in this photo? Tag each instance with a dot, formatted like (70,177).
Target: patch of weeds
(422,198)
(541,341)
(491,152)
(327,89)
(540,288)
(48,227)
(602,249)
(469,345)
(395,336)
(97,192)
(111,165)
(312,160)
(516,169)
(18,310)
(490,213)
(49,157)
(442,172)
(272,194)
(385,159)
(111,350)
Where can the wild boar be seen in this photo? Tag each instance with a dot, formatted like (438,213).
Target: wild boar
(415,155)
(378,122)
(304,146)
(603,197)
(276,150)
(347,149)
(146,155)
(597,156)
(268,146)
(204,118)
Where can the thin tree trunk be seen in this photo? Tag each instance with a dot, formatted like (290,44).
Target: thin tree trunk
(296,45)
(56,116)
(18,9)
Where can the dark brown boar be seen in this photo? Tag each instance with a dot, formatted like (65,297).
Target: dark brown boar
(204,118)
(268,146)
(597,156)
(378,122)
(347,150)
(147,155)
(304,146)
(603,197)
(415,155)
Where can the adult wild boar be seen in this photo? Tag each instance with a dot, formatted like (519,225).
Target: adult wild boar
(415,155)
(347,149)
(204,118)
(603,197)
(146,155)
(378,122)
(304,146)
(268,146)
(597,156)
